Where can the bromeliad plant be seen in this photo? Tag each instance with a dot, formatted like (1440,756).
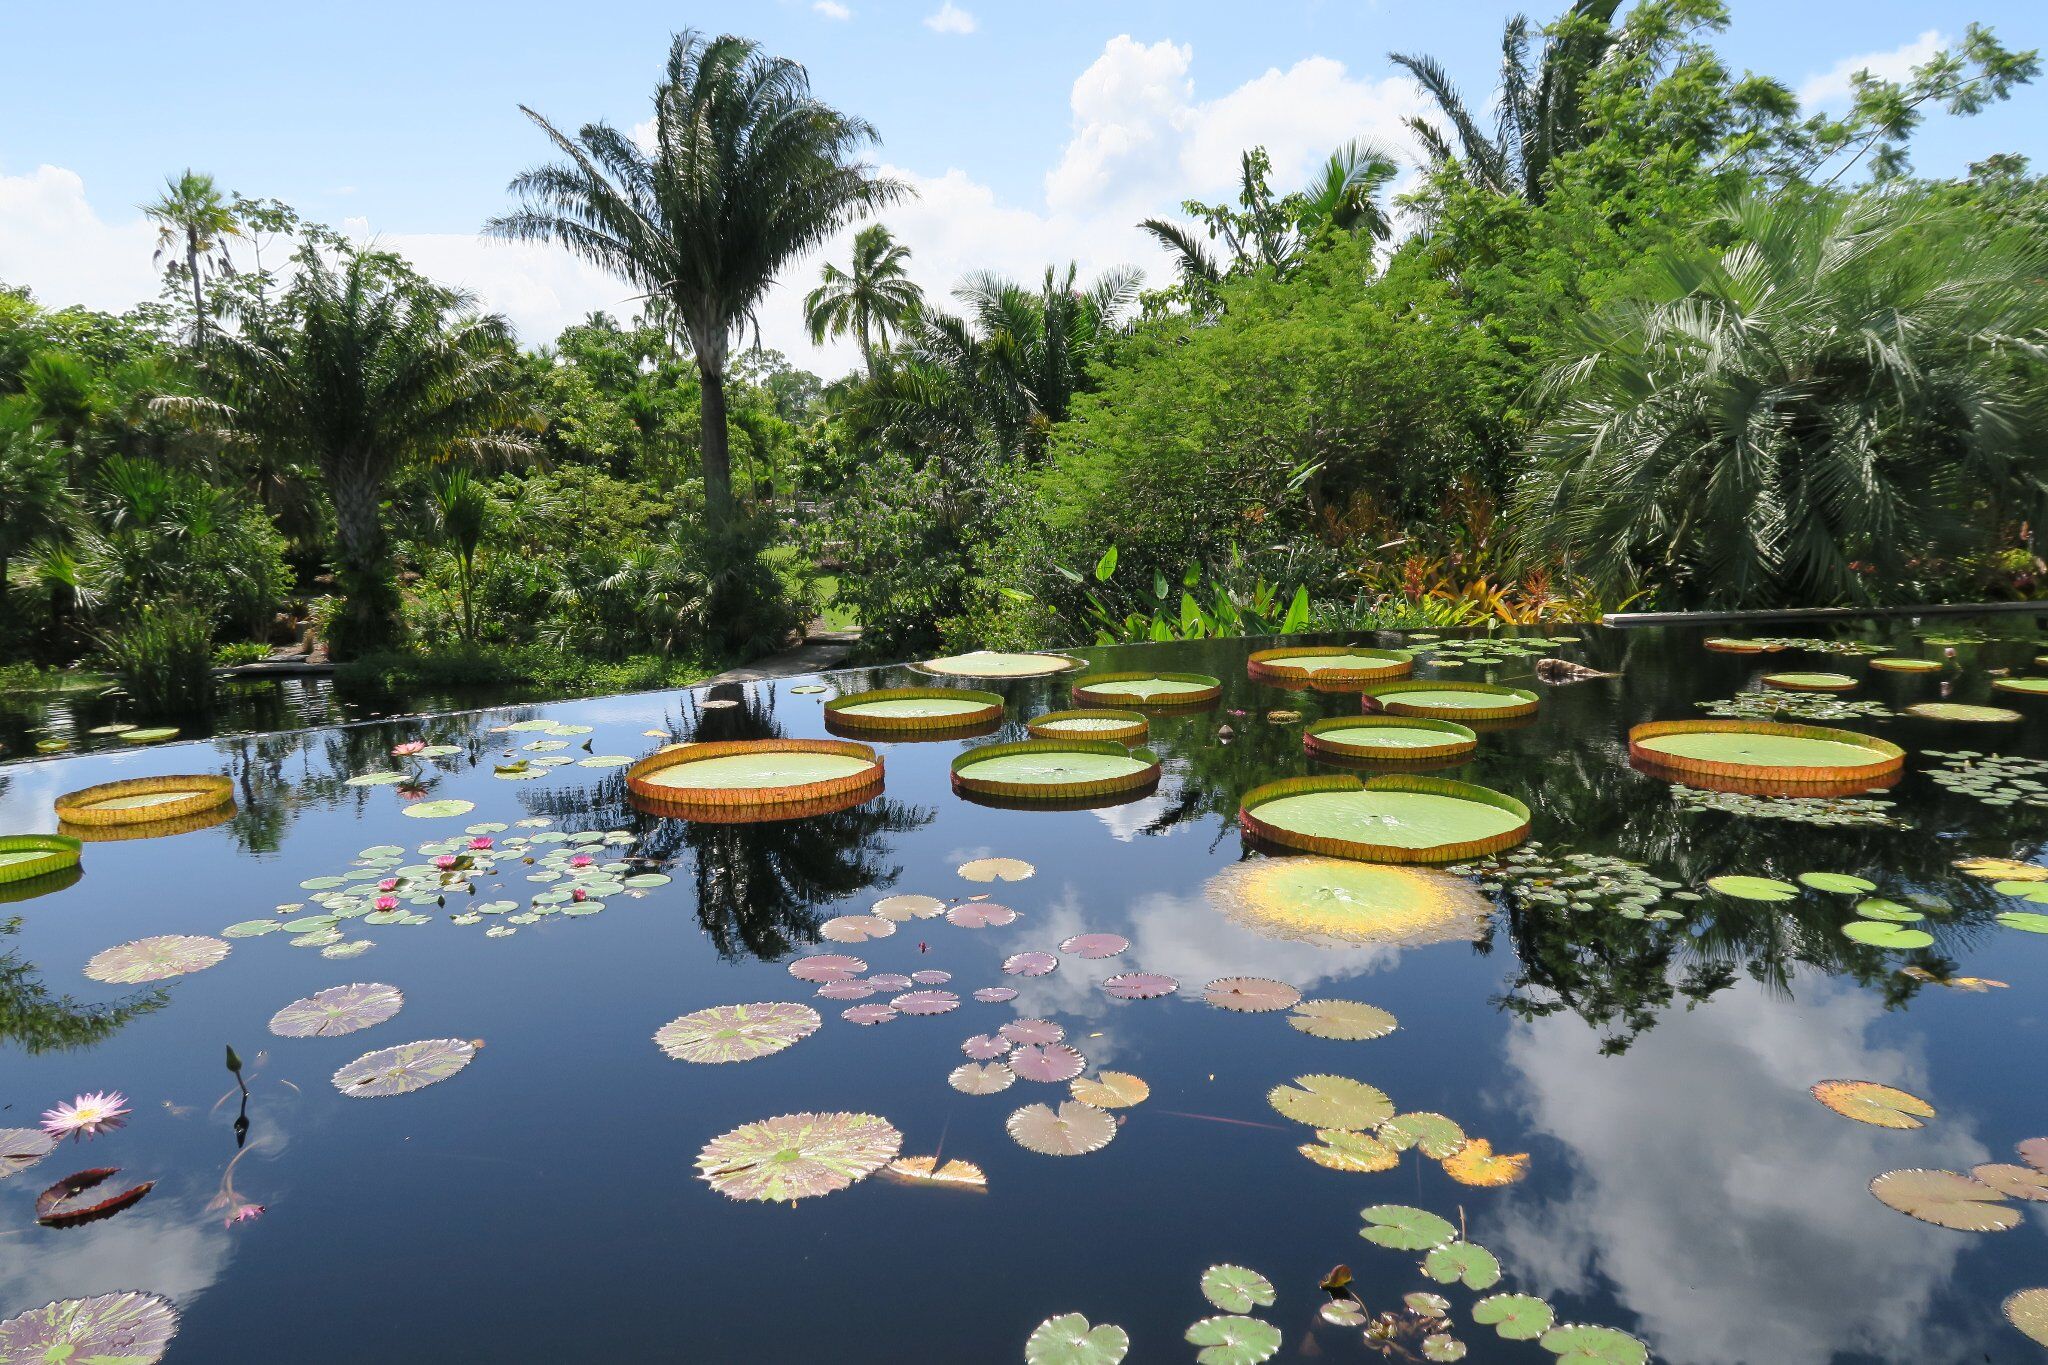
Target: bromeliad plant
(1120,615)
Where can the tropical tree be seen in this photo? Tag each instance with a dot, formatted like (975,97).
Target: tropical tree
(747,171)
(462,509)
(36,504)
(1269,232)
(365,367)
(871,300)
(193,218)
(1539,114)
(1834,409)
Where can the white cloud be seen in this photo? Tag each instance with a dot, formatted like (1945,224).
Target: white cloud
(832,9)
(1837,84)
(1142,140)
(950,18)
(1718,1203)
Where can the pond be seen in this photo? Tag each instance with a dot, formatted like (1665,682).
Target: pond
(1613,1050)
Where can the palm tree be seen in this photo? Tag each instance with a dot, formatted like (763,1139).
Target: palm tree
(872,300)
(364,368)
(1268,233)
(462,508)
(192,217)
(1539,116)
(748,171)
(36,504)
(1844,402)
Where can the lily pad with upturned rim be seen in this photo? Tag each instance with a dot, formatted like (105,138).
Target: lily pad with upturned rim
(1389,819)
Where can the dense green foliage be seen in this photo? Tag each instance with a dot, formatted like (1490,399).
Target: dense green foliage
(1657,334)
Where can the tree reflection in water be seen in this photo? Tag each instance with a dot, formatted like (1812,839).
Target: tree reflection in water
(36,1019)
(759,887)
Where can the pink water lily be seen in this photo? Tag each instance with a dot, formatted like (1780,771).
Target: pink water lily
(579,895)
(480,843)
(446,861)
(86,1116)
(242,1213)
(387,902)
(408,749)
(582,860)
(388,884)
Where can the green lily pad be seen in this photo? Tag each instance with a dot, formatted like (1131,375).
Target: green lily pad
(1879,908)
(431,810)
(2030,891)
(1234,1341)
(383,778)
(1463,1263)
(2026,920)
(1879,934)
(1753,888)
(1518,1317)
(1836,882)
(1069,1340)
(150,735)
(251,928)
(1235,1289)
(1434,1135)
(1404,1228)
(1580,1344)
(1332,1102)
(1440,1347)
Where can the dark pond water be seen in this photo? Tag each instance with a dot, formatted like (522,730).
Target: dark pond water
(542,1205)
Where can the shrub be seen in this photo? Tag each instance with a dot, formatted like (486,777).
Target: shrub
(164,658)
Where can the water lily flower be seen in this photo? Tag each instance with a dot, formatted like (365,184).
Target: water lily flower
(480,843)
(582,860)
(388,884)
(86,1116)
(446,861)
(579,895)
(242,1213)
(408,749)
(387,902)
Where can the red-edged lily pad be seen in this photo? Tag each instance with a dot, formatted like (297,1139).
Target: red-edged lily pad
(76,1199)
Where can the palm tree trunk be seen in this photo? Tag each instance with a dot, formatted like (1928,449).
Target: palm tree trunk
(718,508)
(369,616)
(198,298)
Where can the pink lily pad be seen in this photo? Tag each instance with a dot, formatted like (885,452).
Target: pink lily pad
(1251,994)
(1032,1031)
(1140,985)
(867,1014)
(154,959)
(1049,1062)
(981,1078)
(736,1033)
(826,967)
(338,1010)
(403,1069)
(995,995)
(985,1047)
(1095,945)
(931,977)
(798,1156)
(890,981)
(981,915)
(856,928)
(1030,964)
(21,1148)
(853,988)
(926,1002)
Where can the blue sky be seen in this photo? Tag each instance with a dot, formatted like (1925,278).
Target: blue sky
(1036,131)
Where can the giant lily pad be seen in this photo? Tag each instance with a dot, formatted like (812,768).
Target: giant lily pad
(1348,1020)
(21,1148)
(1069,1340)
(403,1069)
(1074,1129)
(1404,1228)
(338,1010)
(76,1199)
(798,1156)
(1518,1317)
(107,1329)
(1583,1344)
(1332,1102)
(1386,820)
(1878,1105)
(1463,1263)
(736,1033)
(1236,1289)
(155,959)
(1960,711)
(1234,1341)
(1946,1199)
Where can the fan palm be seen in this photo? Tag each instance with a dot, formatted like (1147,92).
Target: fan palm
(366,367)
(1539,116)
(871,300)
(747,171)
(193,218)
(462,509)
(1849,393)
(36,504)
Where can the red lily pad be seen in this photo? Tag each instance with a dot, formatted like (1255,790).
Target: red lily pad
(1251,994)
(1095,945)
(1032,1031)
(1049,1062)
(72,1201)
(826,967)
(1139,985)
